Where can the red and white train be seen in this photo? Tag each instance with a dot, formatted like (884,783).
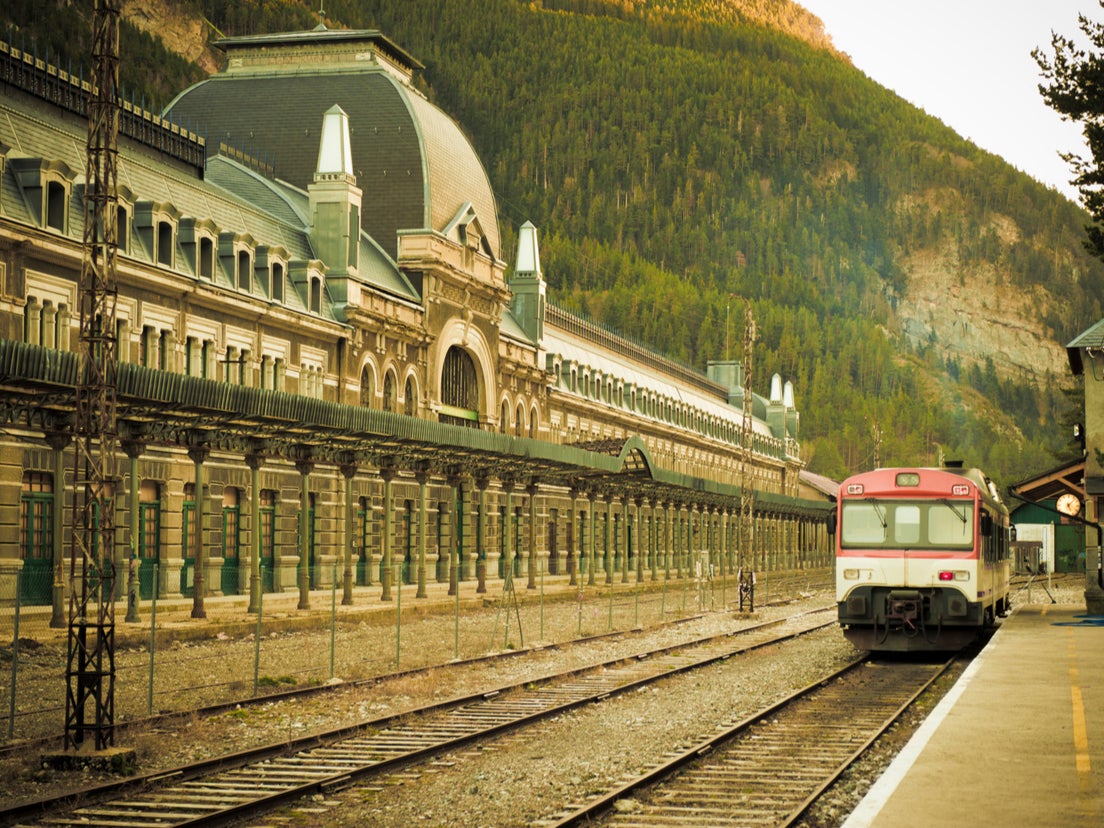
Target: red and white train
(922,557)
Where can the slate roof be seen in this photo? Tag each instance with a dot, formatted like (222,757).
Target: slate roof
(1093,338)
(402,144)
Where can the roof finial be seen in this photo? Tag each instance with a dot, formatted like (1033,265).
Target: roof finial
(321,14)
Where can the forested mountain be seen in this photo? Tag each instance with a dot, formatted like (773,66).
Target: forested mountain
(681,156)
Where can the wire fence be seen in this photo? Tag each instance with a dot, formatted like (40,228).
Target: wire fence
(167,661)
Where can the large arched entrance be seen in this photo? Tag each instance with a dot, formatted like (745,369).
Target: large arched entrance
(459,389)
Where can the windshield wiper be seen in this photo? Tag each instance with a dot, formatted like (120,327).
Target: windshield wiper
(879,511)
(951,506)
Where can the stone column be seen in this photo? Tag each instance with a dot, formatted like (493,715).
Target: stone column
(532,490)
(608,551)
(626,538)
(640,547)
(481,483)
(387,474)
(422,476)
(573,540)
(133,450)
(254,460)
(304,465)
(198,452)
(509,528)
(456,535)
(592,496)
(348,471)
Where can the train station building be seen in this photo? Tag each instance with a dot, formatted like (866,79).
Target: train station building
(331,371)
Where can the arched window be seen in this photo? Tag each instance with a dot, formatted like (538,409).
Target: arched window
(367,388)
(519,423)
(459,389)
(389,392)
(504,418)
(410,398)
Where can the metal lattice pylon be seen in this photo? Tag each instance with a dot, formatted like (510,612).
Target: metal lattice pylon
(747,491)
(90,672)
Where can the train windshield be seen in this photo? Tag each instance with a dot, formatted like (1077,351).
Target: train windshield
(915,524)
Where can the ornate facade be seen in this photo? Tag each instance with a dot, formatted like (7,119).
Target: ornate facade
(329,370)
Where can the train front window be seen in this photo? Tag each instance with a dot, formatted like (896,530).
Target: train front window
(863,524)
(897,524)
(906,525)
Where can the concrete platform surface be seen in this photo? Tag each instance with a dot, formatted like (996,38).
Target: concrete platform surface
(1018,741)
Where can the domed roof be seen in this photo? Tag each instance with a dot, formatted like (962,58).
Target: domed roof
(415,167)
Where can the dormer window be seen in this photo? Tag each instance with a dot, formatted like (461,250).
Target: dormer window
(316,294)
(122,228)
(57,206)
(235,252)
(245,271)
(278,278)
(47,187)
(166,243)
(156,226)
(206,266)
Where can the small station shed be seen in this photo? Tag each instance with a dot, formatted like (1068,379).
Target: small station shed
(1044,534)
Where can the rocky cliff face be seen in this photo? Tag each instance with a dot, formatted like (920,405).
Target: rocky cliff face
(974,315)
(181,32)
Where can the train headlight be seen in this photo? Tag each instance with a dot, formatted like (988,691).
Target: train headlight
(858,574)
(954,575)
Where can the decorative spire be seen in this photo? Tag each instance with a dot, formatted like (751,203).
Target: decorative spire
(335,154)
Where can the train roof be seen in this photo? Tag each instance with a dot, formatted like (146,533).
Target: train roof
(885,478)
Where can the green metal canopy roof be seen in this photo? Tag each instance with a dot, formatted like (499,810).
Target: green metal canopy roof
(37,389)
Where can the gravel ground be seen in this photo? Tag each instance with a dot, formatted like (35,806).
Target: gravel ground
(522,778)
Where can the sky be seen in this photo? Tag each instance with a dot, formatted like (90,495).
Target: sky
(968,63)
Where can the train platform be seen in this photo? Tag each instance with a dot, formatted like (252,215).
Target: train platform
(1019,739)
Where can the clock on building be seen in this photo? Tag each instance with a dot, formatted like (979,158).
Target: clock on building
(1069,504)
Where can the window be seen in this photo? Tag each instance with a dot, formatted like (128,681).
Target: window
(231,525)
(459,389)
(188,533)
(165,243)
(367,389)
(934,524)
(410,398)
(245,270)
(316,295)
(36,509)
(147,347)
(268,534)
(122,228)
(278,282)
(389,392)
(57,205)
(206,258)
(149,520)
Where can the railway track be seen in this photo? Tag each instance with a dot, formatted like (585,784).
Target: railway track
(228,788)
(47,743)
(768,768)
